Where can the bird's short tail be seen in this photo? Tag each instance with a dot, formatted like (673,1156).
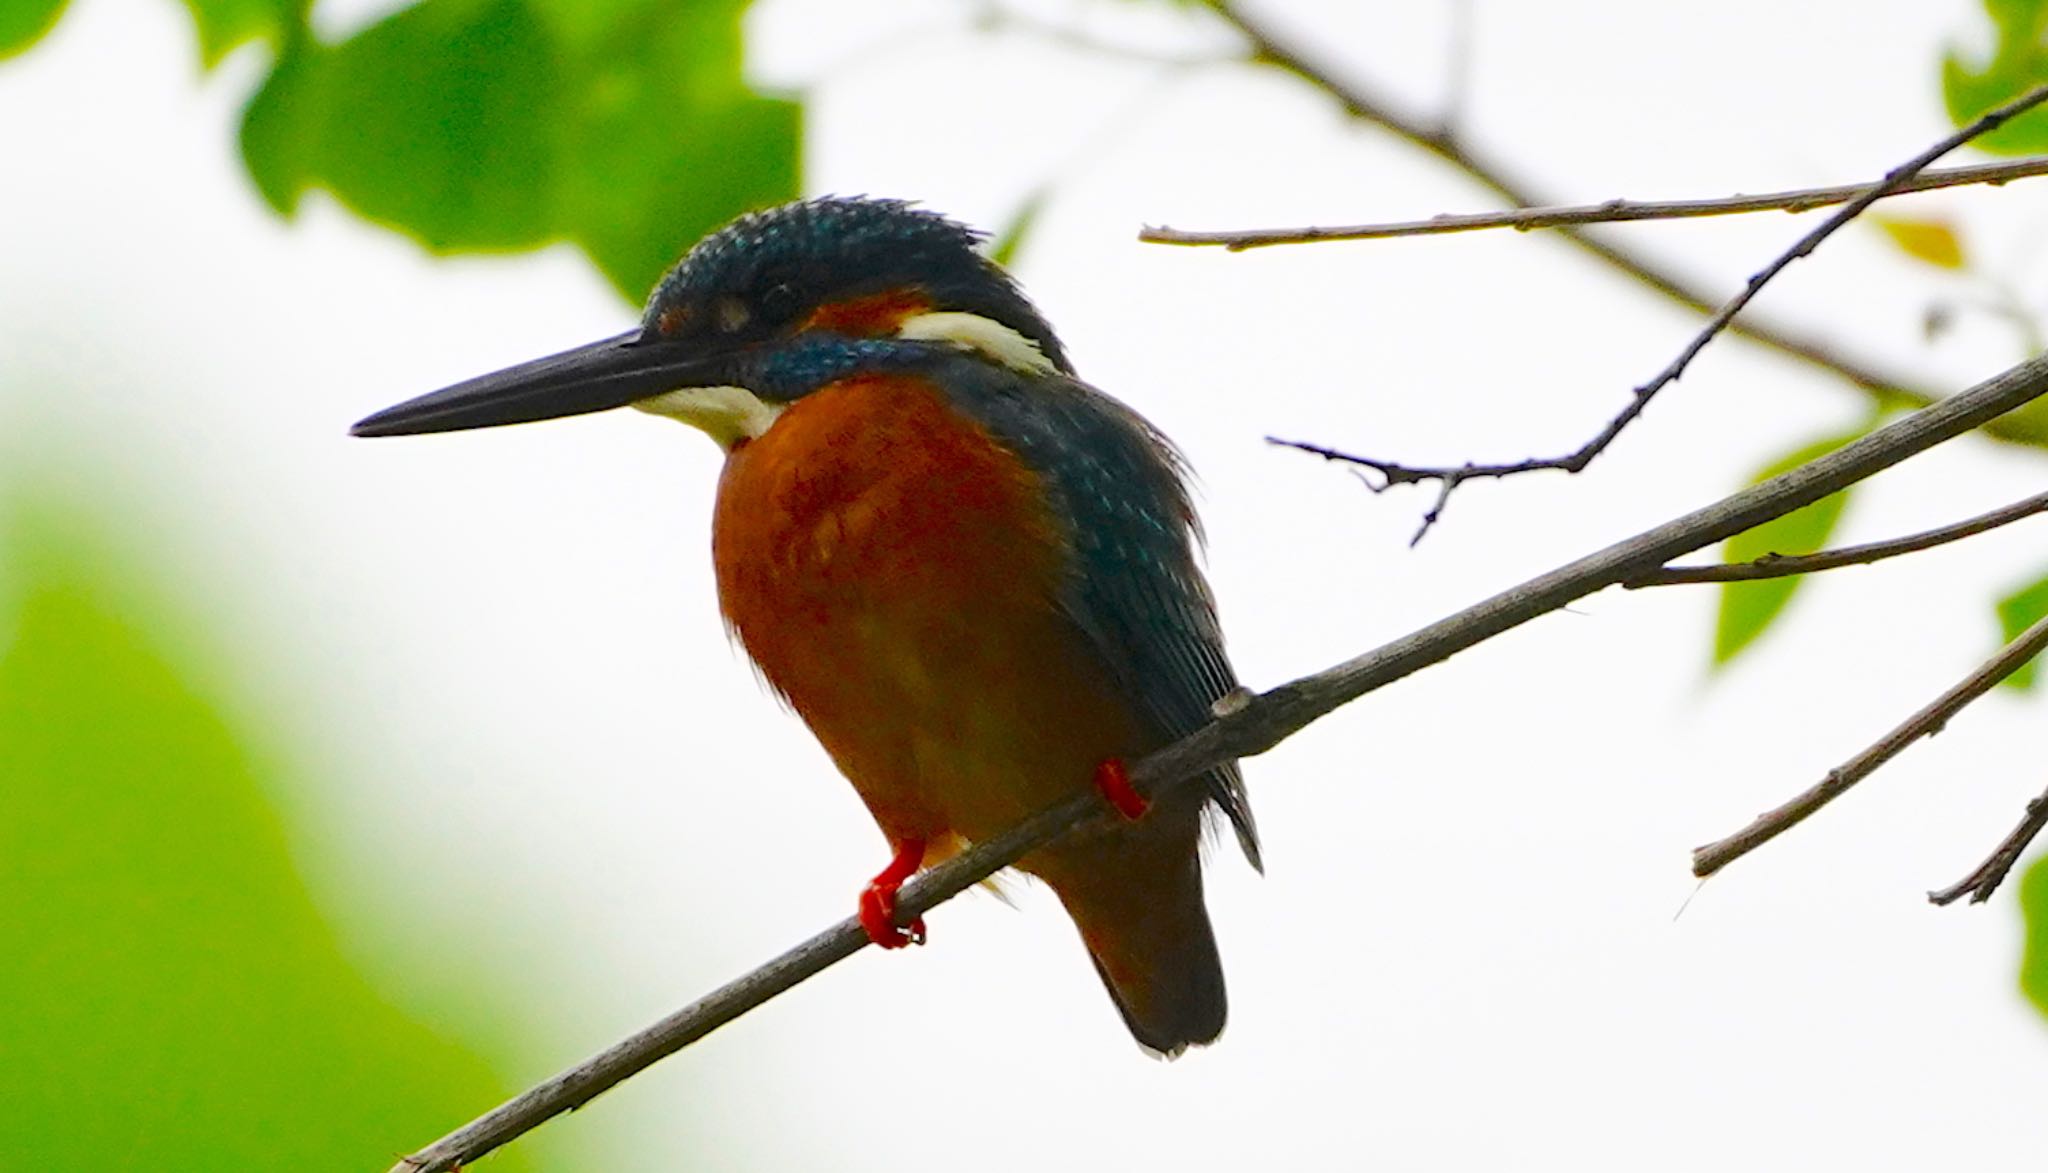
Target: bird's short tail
(1147,930)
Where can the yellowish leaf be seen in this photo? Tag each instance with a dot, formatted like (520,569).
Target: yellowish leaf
(1932,241)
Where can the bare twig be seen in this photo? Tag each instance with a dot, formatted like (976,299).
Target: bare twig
(1784,565)
(1886,389)
(1606,212)
(1928,721)
(1575,461)
(1982,882)
(1250,728)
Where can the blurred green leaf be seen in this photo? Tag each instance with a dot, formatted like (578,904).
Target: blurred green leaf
(663,141)
(622,125)
(2019,62)
(1932,241)
(1004,251)
(1748,608)
(225,25)
(23,23)
(2017,612)
(2034,958)
(173,999)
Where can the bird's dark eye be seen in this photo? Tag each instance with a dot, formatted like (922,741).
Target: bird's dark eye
(779,302)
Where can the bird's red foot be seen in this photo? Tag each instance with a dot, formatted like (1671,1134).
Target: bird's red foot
(878,899)
(1115,783)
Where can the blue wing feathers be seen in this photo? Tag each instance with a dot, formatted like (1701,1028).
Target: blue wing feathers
(1135,591)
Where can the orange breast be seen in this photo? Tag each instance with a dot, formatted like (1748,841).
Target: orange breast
(894,571)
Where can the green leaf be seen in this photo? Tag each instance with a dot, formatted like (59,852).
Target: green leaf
(439,121)
(1932,241)
(1748,608)
(225,25)
(2017,612)
(484,125)
(663,141)
(277,132)
(173,998)
(23,23)
(2018,63)
(1004,251)
(2034,957)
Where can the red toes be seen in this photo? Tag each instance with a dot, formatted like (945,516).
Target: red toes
(878,899)
(1114,781)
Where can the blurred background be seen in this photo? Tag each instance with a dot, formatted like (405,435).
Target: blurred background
(348,787)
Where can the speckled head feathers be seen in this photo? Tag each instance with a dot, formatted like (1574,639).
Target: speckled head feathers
(770,271)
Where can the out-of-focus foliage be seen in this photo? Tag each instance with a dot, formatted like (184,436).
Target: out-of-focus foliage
(2018,63)
(624,126)
(1747,608)
(23,23)
(2034,961)
(173,998)
(1932,241)
(2017,612)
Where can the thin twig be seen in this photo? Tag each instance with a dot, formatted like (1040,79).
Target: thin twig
(1785,565)
(1982,882)
(1575,461)
(1887,390)
(1607,212)
(1928,721)
(1252,728)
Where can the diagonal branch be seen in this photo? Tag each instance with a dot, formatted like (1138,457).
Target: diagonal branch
(1926,723)
(1606,212)
(1256,726)
(1786,565)
(1982,882)
(1887,390)
(1575,461)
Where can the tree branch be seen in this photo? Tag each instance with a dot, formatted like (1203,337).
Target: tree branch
(1981,883)
(1576,460)
(1927,722)
(1784,565)
(1886,389)
(1607,212)
(1251,728)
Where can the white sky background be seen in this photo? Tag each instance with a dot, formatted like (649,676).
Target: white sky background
(502,653)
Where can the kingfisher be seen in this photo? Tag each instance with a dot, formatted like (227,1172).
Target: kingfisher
(971,574)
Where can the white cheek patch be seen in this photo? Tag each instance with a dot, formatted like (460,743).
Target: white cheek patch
(728,415)
(977,333)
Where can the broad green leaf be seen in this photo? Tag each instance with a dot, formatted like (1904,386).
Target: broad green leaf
(1748,608)
(278,128)
(23,23)
(622,125)
(225,25)
(173,998)
(663,141)
(440,121)
(2034,957)
(2018,63)
(1932,241)
(2017,612)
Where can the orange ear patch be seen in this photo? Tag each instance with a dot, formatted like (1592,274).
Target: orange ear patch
(875,316)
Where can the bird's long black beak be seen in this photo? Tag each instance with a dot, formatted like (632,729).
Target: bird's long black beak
(597,377)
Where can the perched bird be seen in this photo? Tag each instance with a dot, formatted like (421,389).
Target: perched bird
(971,574)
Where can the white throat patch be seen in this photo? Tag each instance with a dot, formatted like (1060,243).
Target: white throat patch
(977,333)
(726,414)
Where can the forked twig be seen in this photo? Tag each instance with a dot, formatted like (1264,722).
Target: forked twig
(1927,722)
(1575,461)
(1786,565)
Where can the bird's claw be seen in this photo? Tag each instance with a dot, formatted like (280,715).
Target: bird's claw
(1114,781)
